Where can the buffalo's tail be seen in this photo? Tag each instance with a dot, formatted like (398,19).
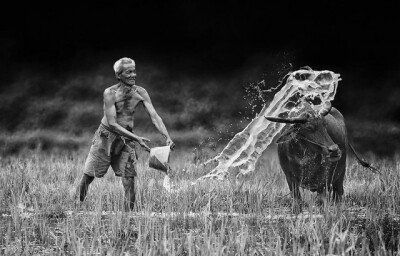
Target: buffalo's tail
(363,162)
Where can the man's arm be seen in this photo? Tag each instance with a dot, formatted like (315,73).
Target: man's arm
(155,118)
(111,115)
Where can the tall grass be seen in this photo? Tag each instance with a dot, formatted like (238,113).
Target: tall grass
(38,216)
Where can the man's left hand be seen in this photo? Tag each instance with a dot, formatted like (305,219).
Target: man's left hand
(141,141)
(170,143)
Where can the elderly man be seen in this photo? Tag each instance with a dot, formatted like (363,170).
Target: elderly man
(113,144)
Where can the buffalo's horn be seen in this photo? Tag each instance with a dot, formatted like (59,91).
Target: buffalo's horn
(326,108)
(286,120)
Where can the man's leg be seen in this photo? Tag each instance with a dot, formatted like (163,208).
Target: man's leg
(124,165)
(97,161)
(129,189)
(84,186)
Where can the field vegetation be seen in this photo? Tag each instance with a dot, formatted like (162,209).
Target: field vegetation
(39,216)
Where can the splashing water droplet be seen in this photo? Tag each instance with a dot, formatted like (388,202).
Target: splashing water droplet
(303,88)
(166,183)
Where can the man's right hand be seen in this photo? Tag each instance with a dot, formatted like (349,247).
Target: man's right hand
(170,143)
(141,141)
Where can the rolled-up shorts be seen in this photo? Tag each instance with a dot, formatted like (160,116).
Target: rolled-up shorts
(109,149)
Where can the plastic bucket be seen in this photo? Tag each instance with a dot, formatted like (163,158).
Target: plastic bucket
(159,158)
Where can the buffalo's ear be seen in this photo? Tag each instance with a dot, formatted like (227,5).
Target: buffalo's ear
(286,135)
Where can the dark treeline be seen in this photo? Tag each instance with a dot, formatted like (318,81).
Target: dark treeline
(69,100)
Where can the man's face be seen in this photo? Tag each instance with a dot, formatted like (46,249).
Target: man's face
(128,74)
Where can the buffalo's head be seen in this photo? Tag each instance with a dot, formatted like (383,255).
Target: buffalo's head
(310,130)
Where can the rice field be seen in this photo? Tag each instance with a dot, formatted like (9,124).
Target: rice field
(39,216)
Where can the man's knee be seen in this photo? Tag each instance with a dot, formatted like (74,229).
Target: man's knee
(87,178)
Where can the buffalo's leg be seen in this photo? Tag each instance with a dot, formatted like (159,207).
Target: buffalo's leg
(129,190)
(295,192)
(337,191)
(338,179)
(84,186)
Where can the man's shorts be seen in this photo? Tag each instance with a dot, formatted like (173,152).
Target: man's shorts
(109,149)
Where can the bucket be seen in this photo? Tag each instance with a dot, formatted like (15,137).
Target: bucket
(159,158)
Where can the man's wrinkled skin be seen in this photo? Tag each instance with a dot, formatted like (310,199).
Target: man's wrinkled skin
(120,102)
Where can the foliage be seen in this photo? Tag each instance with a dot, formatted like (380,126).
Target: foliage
(39,216)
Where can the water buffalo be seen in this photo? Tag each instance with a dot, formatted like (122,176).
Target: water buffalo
(312,153)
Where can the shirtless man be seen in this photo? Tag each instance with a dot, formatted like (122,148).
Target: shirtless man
(113,144)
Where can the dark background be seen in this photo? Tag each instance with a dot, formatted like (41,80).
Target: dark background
(196,59)
(203,37)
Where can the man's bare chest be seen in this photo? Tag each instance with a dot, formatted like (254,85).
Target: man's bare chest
(127,102)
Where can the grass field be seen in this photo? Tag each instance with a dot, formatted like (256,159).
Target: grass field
(38,216)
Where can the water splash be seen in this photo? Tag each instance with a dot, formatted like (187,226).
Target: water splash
(302,87)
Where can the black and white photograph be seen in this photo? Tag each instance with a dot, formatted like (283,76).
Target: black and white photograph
(200,128)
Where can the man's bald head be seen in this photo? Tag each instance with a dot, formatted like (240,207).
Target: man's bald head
(119,65)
